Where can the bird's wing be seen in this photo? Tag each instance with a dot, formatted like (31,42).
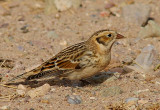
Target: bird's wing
(68,60)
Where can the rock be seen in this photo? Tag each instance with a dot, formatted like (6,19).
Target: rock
(45,101)
(53,6)
(143,62)
(25,29)
(92,98)
(109,5)
(131,101)
(53,89)
(63,43)
(111,91)
(40,91)
(152,29)
(105,14)
(50,7)
(21,90)
(57,16)
(20,48)
(115,11)
(157,82)
(74,99)
(136,13)
(63,5)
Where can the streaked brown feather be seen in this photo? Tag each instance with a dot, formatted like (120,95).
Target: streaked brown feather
(64,60)
(77,61)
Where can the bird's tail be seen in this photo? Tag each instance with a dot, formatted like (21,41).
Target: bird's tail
(24,76)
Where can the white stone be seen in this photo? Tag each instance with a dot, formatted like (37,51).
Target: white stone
(21,90)
(22,87)
(63,5)
(40,91)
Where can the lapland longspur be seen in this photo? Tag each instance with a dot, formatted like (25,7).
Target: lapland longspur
(78,61)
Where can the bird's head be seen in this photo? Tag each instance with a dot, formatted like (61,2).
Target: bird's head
(105,38)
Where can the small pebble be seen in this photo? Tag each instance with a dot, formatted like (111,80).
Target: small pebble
(63,43)
(105,14)
(74,99)
(57,16)
(136,13)
(53,89)
(30,43)
(92,98)
(25,29)
(20,48)
(39,91)
(131,101)
(127,60)
(63,5)
(21,90)
(152,29)
(22,87)
(109,5)
(45,101)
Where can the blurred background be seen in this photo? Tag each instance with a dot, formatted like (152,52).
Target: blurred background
(32,31)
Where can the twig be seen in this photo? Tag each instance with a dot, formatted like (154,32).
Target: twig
(9,97)
(137,64)
(157,67)
(8,86)
(3,63)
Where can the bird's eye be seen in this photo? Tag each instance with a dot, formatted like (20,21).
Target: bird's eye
(109,35)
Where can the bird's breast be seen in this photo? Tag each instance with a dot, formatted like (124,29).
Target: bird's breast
(104,59)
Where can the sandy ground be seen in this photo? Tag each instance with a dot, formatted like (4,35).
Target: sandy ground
(28,37)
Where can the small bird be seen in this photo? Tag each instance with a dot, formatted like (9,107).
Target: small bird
(78,61)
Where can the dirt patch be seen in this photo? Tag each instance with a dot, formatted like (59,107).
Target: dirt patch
(29,37)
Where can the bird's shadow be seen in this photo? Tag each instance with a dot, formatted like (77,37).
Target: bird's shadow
(92,81)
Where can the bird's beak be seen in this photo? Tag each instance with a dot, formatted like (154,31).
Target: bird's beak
(119,36)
